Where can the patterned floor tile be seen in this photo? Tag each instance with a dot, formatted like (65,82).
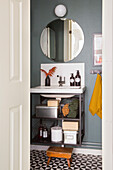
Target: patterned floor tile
(38,161)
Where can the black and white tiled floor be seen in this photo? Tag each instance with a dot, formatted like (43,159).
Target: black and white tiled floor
(38,161)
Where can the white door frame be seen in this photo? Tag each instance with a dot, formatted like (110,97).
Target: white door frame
(107,85)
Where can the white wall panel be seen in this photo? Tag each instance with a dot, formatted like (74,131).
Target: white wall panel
(16,138)
(15,40)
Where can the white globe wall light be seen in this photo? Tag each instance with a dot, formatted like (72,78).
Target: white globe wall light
(60,10)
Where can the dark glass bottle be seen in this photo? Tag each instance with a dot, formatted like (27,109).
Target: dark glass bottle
(45,133)
(40,131)
(47,81)
(78,79)
(72,80)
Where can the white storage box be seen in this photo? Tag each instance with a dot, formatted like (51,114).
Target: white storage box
(56,134)
(70,137)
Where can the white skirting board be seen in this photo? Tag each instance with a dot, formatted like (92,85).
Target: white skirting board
(75,150)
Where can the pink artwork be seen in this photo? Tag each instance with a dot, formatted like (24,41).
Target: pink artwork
(97,49)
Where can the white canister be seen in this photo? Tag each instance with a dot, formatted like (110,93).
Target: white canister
(56,134)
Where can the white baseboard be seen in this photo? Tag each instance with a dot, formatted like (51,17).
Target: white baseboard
(75,150)
(87,151)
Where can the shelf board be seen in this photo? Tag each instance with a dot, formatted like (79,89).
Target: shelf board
(59,118)
(48,141)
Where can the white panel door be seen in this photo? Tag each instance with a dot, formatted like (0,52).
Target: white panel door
(14,84)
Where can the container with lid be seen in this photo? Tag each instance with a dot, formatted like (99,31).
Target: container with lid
(70,137)
(40,134)
(78,79)
(72,80)
(46,111)
(56,134)
(45,132)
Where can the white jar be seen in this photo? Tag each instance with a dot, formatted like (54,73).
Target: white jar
(56,134)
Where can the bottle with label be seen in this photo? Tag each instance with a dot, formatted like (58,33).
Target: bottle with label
(40,131)
(45,133)
(72,80)
(78,79)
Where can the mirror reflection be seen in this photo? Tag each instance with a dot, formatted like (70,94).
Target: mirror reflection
(62,40)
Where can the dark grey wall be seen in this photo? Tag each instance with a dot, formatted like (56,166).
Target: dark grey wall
(87,13)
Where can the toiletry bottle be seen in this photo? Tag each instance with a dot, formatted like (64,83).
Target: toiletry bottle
(40,131)
(78,79)
(45,132)
(72,80)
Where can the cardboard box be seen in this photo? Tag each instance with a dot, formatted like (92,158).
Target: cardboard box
(53,103)
(70,125)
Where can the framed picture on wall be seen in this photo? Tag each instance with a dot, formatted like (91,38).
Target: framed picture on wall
(97,58)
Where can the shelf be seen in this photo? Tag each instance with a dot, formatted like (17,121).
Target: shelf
(60,118)
(80,119)
(48,141)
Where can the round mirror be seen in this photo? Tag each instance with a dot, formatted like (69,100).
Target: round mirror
(62,40)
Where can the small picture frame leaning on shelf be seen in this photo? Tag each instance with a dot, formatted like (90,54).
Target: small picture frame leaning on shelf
(97,54)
